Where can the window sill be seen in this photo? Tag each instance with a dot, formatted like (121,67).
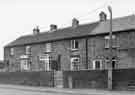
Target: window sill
(114,47)
(76,49)
(47,51)
(98,69)
(28,53)
(74,70)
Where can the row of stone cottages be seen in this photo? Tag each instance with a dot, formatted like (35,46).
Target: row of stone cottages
(77,47)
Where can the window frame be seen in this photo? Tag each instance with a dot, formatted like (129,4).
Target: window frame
(94,64)
(46,60)
(75,63)
(12,51)
(114,41)
(25,65)
(107,61)
(73,45)
(48,47)
(28,49)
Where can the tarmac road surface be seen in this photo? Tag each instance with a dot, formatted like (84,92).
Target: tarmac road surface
(14,91)
(29,90)
(4,91)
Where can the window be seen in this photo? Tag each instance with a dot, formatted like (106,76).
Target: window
(11,51)
(114,62)
(48,47)
(74,44)
(28,50)
(46,60)
(97,64)
(107,41)
(75,61)
(25,65)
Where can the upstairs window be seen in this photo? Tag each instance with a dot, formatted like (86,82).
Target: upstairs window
(28,50)
(74,44)
(107,41)
(97,64)
(11,51)
(48,47)
(75,61)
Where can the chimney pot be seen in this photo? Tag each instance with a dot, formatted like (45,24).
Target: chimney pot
(102,16)
(75,22)
(53,27)
(36,30)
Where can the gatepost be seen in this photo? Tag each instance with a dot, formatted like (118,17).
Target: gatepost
(70,82)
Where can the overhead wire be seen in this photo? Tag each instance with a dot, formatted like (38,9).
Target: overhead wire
(92,11)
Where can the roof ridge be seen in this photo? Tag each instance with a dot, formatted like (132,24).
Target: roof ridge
(83,24)
(59,29)
(95,27)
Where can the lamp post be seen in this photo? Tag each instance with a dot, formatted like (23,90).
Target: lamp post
(110,49)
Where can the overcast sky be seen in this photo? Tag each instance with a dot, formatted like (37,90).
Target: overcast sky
(19,17)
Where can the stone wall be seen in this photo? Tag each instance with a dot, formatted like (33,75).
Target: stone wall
(27,78)
(96,50)
(123,79)
(85,79)
(125,52)
(61,48)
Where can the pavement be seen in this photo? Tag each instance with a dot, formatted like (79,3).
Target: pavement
(65,90)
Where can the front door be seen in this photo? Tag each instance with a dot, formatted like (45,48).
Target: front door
(56,64)
(59,63)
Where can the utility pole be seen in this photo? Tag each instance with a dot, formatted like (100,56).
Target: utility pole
(110,54)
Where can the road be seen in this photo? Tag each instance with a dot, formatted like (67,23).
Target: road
(24,91)
(28,90)
(9,91)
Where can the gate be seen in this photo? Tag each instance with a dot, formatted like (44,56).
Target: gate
(58,79)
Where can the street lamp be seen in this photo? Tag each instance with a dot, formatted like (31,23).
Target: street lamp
(110,49)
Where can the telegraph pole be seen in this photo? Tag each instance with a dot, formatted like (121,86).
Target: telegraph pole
(110,54)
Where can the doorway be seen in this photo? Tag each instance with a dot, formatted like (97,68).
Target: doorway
(114,63)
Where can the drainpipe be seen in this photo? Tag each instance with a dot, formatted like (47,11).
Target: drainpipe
(86,46)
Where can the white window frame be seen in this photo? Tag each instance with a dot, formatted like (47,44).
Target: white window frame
(12,51)
(48,47)
(28,49)
(94,64)
(46,61)
(115,60)
(107,43)
(25,65)
(73,44)
(72,65)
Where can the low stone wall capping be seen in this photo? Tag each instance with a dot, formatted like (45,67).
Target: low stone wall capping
(37,78)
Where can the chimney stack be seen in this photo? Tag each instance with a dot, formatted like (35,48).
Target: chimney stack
(75,22)
(36,30)
(53,27)
(102,16)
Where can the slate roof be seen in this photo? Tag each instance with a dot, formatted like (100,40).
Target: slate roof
(65,33)
(119,24)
